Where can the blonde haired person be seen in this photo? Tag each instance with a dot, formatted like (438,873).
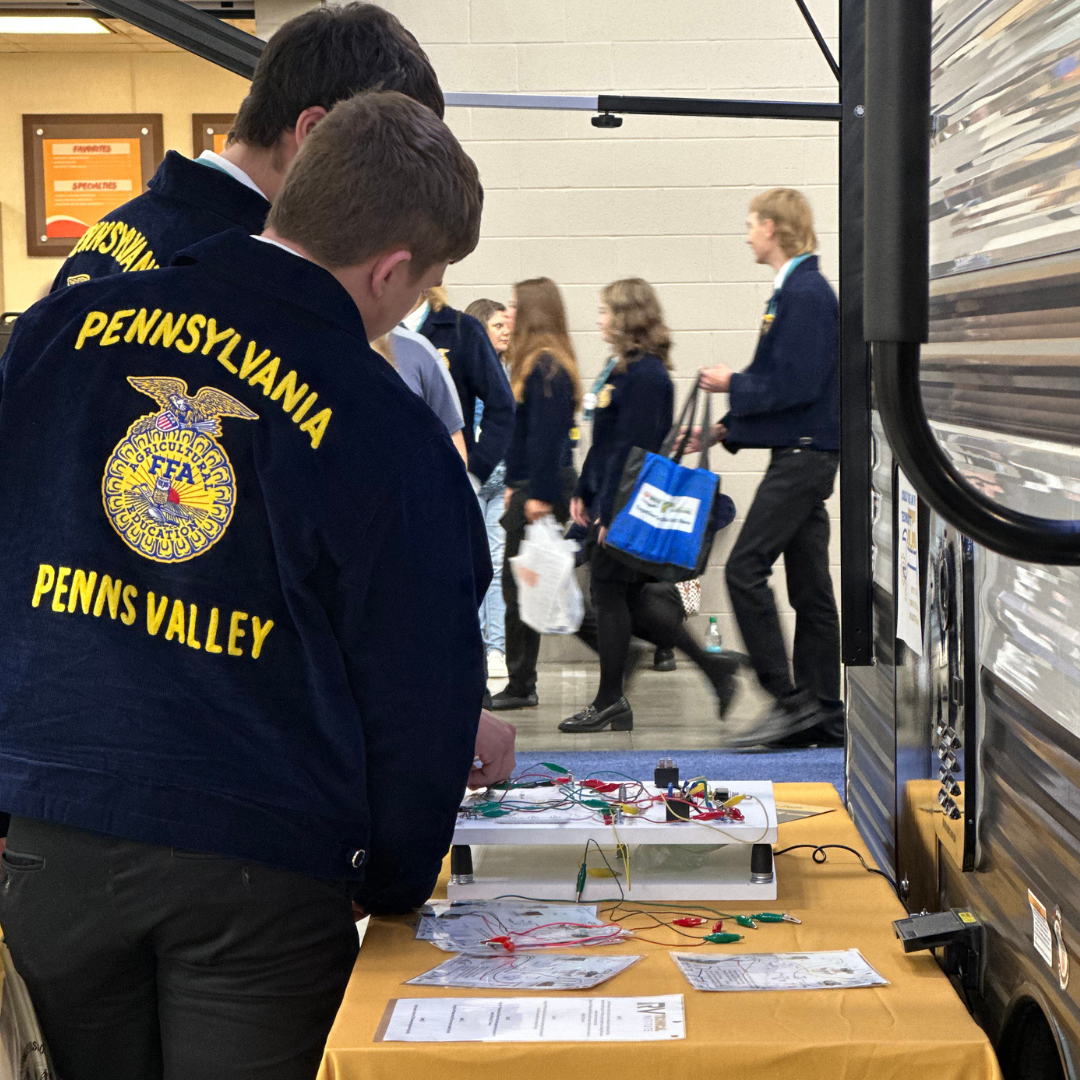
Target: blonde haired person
(788,401)
(540,474)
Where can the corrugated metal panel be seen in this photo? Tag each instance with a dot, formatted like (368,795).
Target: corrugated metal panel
(1005,183)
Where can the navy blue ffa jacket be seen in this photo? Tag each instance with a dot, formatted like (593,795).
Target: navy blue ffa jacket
(478,375)
(541,448)
(239,576)
(186,203)
(790,393)
(633,408)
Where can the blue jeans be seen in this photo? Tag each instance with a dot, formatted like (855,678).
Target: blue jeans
(493,608)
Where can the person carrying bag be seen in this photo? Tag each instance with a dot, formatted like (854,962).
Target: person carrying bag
(666,514)
(631,424)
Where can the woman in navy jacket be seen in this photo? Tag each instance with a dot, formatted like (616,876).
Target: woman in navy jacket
(633,408)
(540,477)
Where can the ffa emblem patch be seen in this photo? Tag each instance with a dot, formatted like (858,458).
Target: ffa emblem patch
(603,399)
(169,488)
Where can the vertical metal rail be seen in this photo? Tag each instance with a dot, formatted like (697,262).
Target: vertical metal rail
(856,577)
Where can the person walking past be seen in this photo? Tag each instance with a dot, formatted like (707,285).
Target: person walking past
(493,318)
(632,408)
(477,374)
(788,400)
(540,474)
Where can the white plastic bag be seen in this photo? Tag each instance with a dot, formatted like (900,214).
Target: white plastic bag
(22,1046)
(549,597)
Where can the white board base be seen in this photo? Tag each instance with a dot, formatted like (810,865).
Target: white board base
(549,872)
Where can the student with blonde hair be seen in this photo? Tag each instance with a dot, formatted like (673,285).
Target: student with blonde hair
(788,401)
(540,475)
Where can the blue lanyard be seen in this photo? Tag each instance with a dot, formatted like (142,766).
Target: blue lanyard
(597,386)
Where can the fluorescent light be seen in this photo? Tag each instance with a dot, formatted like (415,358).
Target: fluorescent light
(50,24)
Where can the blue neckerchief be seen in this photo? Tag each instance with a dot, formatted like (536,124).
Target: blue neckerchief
(214,165)
(771,308)
(597,386)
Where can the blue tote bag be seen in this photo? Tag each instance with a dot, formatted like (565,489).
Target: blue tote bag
(666,514)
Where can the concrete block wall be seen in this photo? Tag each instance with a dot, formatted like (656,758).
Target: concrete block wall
(664,198)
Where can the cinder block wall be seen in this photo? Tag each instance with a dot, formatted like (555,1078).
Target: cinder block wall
(662,198)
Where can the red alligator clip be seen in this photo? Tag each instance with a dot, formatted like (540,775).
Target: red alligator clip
(688,920)
(505,942)
(601,786)
(718,926)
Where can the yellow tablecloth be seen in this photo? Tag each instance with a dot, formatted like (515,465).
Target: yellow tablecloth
(915,1026)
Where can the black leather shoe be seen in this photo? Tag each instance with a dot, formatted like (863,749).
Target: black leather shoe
(619,717)
(791,715)
(664,660)
(504,700)
(720,670)
(828,732)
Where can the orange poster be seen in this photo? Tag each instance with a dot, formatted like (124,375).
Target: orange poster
(85,179)
(220,139)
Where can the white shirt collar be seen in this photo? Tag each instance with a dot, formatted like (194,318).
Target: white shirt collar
(234,171)
(415,319)
(279,244)
(781,275)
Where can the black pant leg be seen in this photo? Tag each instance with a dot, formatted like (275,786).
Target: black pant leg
(816,657)
(76,938)
(787,495)
(253,963)
(522,642)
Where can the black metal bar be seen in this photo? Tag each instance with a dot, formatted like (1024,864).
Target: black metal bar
(665,106)
(823,45)
(856,578)
(196,31)
(999,528)
(896,299)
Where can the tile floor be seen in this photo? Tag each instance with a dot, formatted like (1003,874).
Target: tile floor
(673,710)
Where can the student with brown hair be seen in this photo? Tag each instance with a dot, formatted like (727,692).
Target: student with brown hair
(788,400)
(265,617)
(312,62)
(540,475)
(493,318)
(633,408)
(477,374)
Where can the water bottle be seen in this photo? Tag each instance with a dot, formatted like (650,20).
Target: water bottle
(713,642)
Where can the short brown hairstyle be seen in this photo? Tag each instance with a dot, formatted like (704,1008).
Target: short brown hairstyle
(380,171)
(789,211)
(637,322)
(326,55)
(539,330)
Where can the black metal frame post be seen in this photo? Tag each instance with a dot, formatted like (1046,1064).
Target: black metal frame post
(191,29)
(856,577)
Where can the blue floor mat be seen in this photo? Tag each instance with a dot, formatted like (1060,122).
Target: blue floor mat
(779,766)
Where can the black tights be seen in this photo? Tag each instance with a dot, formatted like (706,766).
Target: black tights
(648,610)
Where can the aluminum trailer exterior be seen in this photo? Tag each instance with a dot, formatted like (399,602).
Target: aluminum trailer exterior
(964,747)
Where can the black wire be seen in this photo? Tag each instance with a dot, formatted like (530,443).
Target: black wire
(819,850)
(585,861)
